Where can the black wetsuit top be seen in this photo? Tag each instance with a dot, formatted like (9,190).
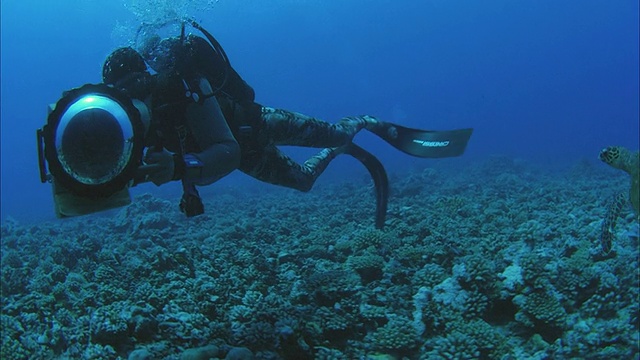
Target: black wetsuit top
(188,113)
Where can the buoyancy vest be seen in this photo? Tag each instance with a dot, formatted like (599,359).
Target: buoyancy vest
(200,58)
(193,59)
(235,96)
(246,123)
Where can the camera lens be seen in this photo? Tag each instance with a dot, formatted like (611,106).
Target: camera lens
(94,139)
(92,145)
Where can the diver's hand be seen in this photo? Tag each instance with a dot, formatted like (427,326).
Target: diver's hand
(165,166)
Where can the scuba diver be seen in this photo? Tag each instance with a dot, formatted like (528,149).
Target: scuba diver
(198,121)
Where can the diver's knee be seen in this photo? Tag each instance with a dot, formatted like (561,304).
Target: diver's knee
(306,187)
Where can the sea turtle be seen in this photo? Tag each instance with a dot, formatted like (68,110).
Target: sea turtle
(623,159)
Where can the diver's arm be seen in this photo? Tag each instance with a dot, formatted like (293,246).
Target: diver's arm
(221,152)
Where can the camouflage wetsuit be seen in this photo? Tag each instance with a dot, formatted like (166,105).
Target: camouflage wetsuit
(260,130)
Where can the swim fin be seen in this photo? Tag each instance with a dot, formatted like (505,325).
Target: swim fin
(426,143)
(380,179)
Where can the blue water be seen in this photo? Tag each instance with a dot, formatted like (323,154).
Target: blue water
(547,81)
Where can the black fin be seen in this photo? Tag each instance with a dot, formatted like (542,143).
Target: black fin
(380,180)
(427,143)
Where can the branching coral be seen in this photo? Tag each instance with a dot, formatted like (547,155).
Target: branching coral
(369,267)
(543,313)
(366,238)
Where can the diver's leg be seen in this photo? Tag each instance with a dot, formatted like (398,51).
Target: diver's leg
(291,128)
(273,166)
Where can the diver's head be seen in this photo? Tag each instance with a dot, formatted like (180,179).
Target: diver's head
(126,70)
(122,63)
(164,54)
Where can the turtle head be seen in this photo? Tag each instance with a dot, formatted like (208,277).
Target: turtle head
(611,156)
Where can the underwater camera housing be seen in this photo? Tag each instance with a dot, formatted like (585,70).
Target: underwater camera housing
(92,144)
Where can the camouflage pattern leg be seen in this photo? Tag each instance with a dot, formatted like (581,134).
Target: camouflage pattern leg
(319,162)
(609,223)
(290,128)
(282,127)
(273,166)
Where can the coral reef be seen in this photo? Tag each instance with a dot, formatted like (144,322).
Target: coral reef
(500,260)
